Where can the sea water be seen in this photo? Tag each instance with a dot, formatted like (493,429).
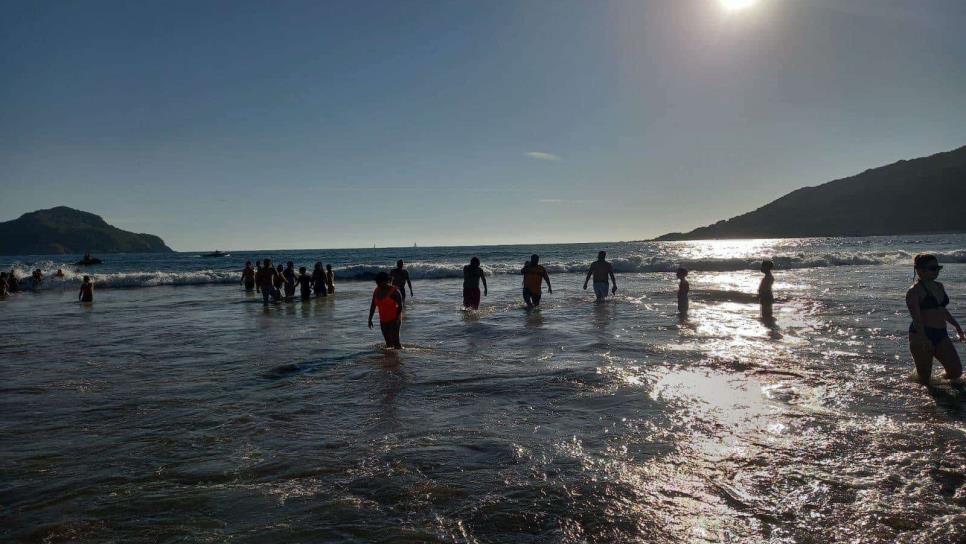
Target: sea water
(177,407)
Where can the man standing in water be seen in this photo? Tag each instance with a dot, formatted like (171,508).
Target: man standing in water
(472,275)
(601,269)
(266,278)
(765,296)
(533,277)
(400,277)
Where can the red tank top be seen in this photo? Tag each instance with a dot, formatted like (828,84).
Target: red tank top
(388,308)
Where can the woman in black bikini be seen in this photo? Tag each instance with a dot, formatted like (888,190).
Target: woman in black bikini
(928,338)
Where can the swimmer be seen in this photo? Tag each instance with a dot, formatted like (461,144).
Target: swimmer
(248,276)
(304,281)
(400,277)
(86,293)
(533,277)
(601,269)
(928,337)
(266,279)
(36,280)
(59,273)
(289,276)
(13,285)
(765,296)
(472,275)
(683,289)
(330,279)
(389,301)
(318,280)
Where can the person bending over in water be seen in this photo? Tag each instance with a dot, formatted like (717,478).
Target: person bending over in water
(765,297)
(928,337)
(386,297)
(266,278)
(248,276)
(86,293)
(330,279)
(318,280)
(304,281)
(400,277)
(600,269)
(683,289)
(533,277)
(472,275)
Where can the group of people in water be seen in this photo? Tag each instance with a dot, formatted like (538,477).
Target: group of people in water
(926,300)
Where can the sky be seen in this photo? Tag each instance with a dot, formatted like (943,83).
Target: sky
(270,125)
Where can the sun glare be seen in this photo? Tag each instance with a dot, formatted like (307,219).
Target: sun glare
(735,5)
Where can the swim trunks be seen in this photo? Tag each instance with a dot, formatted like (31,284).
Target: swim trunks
(471,298)
(600,288)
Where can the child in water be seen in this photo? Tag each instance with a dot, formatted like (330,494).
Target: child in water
(304,281)
(765,297)
(683,289)
(387,299)
(330,278)
(86,290)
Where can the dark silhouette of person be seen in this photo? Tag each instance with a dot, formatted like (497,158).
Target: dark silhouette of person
(472,276)
(533,277)
(600,270)
(928,337)
(400,278)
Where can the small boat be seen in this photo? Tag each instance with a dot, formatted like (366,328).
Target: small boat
(217,254)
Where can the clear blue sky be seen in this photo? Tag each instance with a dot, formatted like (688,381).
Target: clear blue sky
(256,125)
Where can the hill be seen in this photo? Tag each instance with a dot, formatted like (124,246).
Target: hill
(918,196)
(66,230)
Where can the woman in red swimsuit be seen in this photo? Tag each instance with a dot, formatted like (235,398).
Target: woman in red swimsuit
(387,299)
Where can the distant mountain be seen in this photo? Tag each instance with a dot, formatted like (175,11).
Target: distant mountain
(918,196)
(66,230)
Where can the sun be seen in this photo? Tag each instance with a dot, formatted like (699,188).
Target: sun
(735,5)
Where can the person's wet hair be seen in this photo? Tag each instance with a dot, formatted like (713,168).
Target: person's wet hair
(382,277)
(302,269)
(267,262)
(475,261)
(399,262)
(682,270)
(767,265)
(923,259)
(534,258)
(601,254)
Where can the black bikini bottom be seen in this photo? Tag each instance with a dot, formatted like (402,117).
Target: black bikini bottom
(935,335)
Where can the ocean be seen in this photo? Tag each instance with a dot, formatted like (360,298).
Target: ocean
(178,408)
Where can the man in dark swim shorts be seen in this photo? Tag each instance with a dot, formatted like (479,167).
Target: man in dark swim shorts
(472,275)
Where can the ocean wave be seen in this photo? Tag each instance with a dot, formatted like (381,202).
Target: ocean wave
(73,275)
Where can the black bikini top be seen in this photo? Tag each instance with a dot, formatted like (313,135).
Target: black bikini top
(930,301)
